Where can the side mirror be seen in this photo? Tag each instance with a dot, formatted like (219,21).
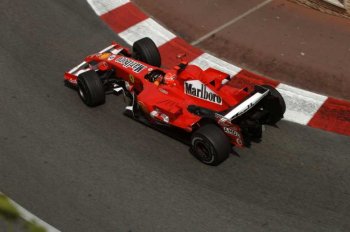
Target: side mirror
(181,56)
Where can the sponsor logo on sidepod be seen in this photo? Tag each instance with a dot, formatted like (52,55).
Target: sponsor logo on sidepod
(231,131)
(128,63)
(198,89)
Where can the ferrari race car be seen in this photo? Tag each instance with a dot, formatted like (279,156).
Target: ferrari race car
(193,105)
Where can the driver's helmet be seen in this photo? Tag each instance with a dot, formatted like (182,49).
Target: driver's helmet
(155,76)
(169,78)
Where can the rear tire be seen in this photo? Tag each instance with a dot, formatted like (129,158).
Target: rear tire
(275,104)
(90,89)
(210,145)
(146,50)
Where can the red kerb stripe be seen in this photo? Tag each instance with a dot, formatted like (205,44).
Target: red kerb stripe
(334,115)
(171,49)
(123,17)
(245,78)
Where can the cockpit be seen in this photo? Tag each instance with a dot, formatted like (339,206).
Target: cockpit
(155,75)
(159,77)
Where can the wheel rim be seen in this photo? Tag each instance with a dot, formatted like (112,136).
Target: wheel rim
(203,151)
(81,91)
(81,94)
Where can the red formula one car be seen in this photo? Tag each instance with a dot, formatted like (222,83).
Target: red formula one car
(191,104)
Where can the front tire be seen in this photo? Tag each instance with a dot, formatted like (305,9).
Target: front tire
(210,145)
(90,89)
(146,50)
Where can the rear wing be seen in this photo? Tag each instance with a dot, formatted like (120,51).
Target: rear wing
(246,105)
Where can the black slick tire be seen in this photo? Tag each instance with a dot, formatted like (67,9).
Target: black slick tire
(146,50)
(90,89)
(210,145)
(275,104)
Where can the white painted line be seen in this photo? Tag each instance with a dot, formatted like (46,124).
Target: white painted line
(229,23)
(103,6)
(206,60)
(301,104)
(26,215)
(147,28)
(336,3)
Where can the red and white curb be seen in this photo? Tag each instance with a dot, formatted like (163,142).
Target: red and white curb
(29,217)
(303,107)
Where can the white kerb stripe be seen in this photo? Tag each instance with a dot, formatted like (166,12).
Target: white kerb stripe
(103,6)
(206,60)
(301,104)
(147,28)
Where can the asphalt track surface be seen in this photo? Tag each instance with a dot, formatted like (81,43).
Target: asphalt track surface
(93,169)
